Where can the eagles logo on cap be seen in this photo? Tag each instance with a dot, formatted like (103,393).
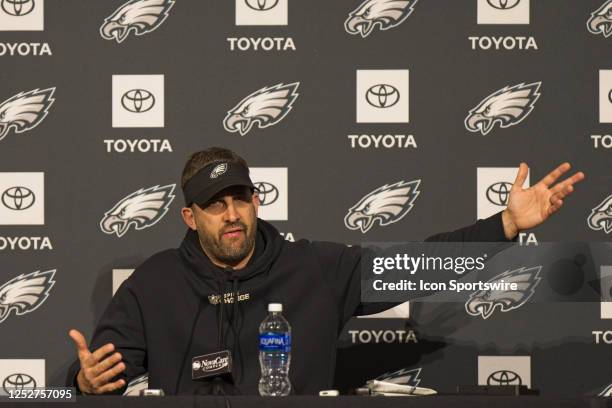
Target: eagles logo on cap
(218,170)
(208,181)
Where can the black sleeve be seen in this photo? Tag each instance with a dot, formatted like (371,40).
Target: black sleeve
(122,325)
(341,267)
(486,230)
(342,264)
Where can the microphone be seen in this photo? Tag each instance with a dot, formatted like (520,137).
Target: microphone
(216,368)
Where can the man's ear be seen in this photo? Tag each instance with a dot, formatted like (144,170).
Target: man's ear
(256,202)
(189,217)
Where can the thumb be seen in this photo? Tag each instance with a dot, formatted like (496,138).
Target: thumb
(521,176)
(80,343)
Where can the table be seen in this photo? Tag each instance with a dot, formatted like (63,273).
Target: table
(449,401)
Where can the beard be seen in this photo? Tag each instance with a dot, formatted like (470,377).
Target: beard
(230,251)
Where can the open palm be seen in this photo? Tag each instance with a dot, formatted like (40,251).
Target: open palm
(529,207)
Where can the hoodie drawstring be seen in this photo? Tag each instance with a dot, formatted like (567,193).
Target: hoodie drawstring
(236,326)
(217,383)
(233,319)
(221,335)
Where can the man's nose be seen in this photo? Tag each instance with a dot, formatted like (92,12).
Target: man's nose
(231,214)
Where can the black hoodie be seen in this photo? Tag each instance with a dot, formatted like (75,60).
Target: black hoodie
(167,311)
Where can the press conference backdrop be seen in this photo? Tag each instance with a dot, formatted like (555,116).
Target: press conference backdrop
(331,103)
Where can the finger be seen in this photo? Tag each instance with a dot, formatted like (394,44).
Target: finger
(97,355)
(108,375)
(111,387)
(563,191)
(555,207)
(80,343)
(554,202)
(105,364)
(554,198)
(560,187)
(551,177)
(579,176)
(521,176)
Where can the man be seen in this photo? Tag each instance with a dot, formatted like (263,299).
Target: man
(211,293)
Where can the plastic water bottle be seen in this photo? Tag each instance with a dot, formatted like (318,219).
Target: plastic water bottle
(274,353)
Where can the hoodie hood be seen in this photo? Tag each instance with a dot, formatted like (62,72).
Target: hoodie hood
(204,276)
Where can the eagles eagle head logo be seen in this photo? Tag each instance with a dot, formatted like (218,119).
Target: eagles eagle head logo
(403,376)
(606,392)
(506,107)
(25,293)
(387,204)
(141,209)
(137,16)
(219,170)
(484,302)
(265,107)
(25,110)
(601,216)
(601,20)
(385,14)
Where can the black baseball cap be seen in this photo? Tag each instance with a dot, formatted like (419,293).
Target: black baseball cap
(213,178)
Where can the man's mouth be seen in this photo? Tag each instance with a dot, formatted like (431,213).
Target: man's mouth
(233,233)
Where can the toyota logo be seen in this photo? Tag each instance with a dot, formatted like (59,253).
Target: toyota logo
(18,198)
(504,377)
(17,8)
(382,96)
(261,5)
(503,4)
(18,381)
(268,193)
(138,100)
(499,193)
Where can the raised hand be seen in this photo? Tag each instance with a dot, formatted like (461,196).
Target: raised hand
(97,368)
(530,207)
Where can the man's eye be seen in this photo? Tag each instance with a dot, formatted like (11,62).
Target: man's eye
(216,205)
